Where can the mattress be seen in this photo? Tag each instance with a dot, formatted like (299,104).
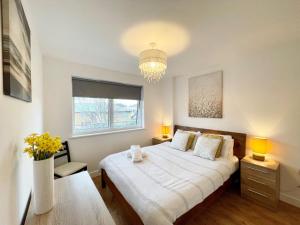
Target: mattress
(168,182)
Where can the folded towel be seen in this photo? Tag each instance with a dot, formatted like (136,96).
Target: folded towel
(144,155)
(135,153)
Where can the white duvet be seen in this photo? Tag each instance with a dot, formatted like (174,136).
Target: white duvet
(167,183)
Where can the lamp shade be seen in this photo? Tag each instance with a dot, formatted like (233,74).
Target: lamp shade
(259,145)
(259,148)
(165,130)
(153,63)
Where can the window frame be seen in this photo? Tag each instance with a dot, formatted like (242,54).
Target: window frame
(110,120)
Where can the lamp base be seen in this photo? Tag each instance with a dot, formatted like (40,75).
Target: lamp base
(258,157)
(165,136)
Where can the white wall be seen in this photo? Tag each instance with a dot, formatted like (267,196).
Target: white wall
(261,97)
(58,111)
(17,120)
(166,90)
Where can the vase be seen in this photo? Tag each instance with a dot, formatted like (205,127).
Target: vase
(43,185)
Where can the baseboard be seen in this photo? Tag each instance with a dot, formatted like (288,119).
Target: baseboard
(26,210)
(94,173)
(290,199)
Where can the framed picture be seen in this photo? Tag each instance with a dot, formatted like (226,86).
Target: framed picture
(16,50)
(206,95)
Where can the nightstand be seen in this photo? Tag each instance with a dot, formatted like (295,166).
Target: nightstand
(158,140)
(260,181)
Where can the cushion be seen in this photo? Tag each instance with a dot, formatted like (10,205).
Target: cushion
(180,140)
(219,150)
(225,137)
(227,149)
(196,134)
(190,141)
(69,168)
(206,147)
(195,140)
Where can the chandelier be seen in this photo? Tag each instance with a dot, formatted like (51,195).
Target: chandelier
(153,63)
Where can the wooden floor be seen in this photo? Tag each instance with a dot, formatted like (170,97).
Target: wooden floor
(231,209)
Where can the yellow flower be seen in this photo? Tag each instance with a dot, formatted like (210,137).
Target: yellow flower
(29,150)
(41,146)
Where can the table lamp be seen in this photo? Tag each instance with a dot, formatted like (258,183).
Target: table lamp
(259,148)
(165,129)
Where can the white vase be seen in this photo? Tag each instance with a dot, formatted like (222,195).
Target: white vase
(43,185)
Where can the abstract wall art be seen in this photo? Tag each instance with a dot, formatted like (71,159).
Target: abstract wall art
(16,51)
(206,95)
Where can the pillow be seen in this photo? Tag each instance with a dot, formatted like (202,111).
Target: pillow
(227,149)
(219,150)
(195,140)
(190,141)
(180,140)
(206,147)
(225,137)
(196,133)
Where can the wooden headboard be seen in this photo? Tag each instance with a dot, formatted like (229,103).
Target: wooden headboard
(239,148)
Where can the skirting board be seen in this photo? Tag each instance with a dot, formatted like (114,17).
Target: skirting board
(290,199)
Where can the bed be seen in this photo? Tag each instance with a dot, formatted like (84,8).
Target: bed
(169,186)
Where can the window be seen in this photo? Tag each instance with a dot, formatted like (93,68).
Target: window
(125,113)
(90,114)
(103,106)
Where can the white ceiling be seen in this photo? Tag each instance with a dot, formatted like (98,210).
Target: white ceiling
(96,32)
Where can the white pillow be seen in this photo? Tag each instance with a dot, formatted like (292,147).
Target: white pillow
(207,147)
(190,131)
(227,149)
(196,133)
(180,139)
(225,137)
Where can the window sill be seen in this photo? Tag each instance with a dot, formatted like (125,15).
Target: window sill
(74,136)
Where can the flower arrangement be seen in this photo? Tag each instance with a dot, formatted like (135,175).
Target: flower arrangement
(42,146)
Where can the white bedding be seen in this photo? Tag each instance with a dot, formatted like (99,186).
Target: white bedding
(168,182)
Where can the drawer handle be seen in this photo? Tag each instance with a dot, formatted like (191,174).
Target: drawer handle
(256,181)
(251,168)
(255,192)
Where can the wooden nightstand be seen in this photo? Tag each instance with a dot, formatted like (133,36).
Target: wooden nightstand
(158,140)
(260,181)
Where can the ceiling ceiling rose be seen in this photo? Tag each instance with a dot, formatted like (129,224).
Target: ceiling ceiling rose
(153,63)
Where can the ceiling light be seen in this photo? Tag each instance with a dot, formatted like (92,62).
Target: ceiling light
(153,63)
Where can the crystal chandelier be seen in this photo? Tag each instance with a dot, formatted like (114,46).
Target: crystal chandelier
(153,63)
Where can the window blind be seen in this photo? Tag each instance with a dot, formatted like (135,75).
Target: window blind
(104,89)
